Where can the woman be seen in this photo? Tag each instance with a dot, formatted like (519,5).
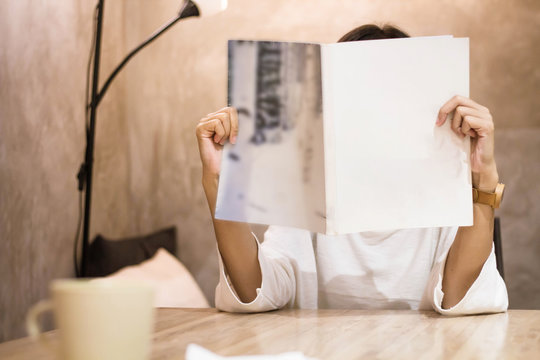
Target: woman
(450,270)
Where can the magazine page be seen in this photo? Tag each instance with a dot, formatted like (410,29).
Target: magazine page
(393,168)
(274,174)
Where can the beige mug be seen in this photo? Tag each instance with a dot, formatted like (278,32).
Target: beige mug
(98,319)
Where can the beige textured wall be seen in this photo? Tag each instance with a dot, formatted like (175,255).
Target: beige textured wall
(147,171)
(43,58)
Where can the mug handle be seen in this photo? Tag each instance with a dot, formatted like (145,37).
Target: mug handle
(32,326)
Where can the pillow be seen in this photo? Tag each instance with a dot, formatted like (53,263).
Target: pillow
(106,256)
(174,285)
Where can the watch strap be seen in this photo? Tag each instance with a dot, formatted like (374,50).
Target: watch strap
(492,199)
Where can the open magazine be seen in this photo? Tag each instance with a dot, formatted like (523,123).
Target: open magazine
(341,138)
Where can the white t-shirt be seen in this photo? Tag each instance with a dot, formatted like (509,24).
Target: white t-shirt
(400,269)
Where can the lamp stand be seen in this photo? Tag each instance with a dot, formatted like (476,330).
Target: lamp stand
(84,176)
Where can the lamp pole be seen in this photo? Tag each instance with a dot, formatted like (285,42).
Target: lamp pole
(88,165)
(188,9)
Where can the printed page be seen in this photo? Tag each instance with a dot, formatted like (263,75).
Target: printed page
(390,166)
(274,174)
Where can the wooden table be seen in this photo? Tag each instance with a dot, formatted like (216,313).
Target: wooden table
(334,334)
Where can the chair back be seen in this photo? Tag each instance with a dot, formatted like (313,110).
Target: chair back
(498,246)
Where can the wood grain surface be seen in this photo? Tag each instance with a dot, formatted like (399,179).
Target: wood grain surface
(333,334)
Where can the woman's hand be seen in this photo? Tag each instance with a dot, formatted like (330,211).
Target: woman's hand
(473,119)
(212,132)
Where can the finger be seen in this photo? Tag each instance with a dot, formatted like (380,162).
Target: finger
(454,102)
(234,124)
(456,123)
(222,110)
(479,126)
(465,126)
(466,110)
(225,119)
(214,116)
(226,110)
(219,136)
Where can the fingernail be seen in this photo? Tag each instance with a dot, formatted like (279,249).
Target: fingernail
(233,139)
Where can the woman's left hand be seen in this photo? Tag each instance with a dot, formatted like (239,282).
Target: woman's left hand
(473,119)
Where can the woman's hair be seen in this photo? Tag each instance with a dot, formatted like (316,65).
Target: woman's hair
(373,32)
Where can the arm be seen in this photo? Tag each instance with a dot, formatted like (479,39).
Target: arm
(235,242)
(472,245)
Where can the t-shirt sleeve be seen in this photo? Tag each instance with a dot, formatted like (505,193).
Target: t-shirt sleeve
(486,295)
(277,287)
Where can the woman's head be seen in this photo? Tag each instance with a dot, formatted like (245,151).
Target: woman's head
(373,32)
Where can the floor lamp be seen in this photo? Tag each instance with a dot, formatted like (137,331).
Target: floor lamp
(189,8)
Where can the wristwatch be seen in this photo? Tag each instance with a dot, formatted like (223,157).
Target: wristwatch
(492,199)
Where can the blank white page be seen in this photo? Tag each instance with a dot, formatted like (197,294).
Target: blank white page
(389,166)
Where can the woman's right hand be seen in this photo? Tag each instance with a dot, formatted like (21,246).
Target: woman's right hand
(212,132)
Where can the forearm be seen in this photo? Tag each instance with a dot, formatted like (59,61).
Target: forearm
(470,248)
(237,247)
